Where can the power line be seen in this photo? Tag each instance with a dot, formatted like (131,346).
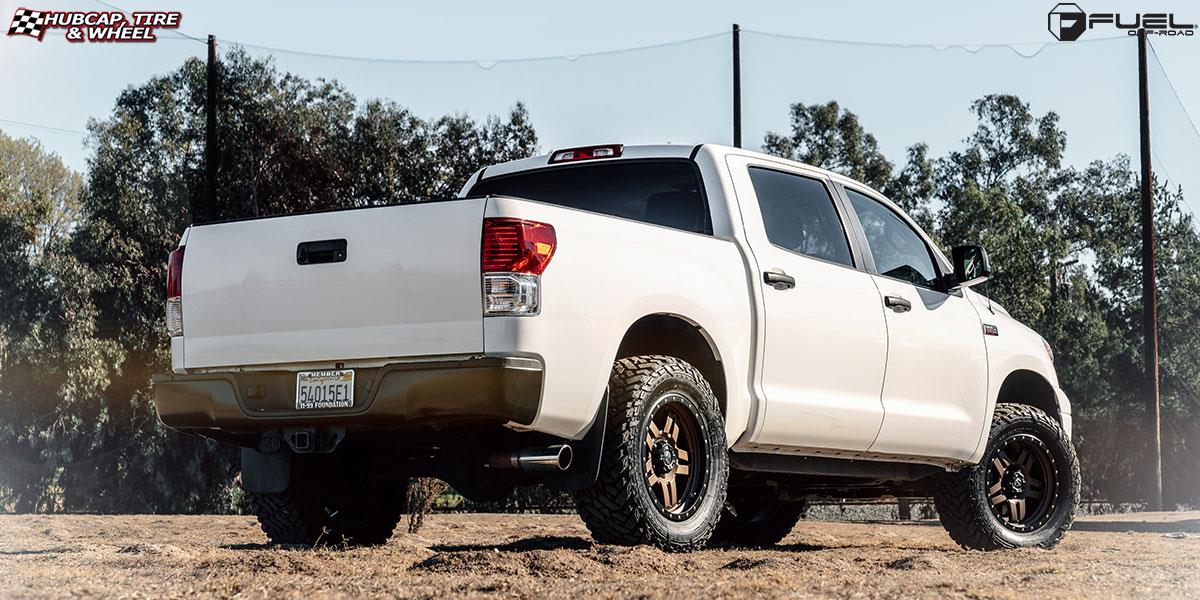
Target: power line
(488,62)
(46,128)
(1174,92)
(571,57)
(1157,158)
(972,48)
(485,63)
(177,32)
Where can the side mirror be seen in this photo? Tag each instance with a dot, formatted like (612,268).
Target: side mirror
(971,266)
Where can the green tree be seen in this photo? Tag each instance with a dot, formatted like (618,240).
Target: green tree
(999,191)
(75,382)
(52,369)
(825,135)
(830,137)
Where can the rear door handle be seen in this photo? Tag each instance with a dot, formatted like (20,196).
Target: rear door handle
(779,281)
(897,303)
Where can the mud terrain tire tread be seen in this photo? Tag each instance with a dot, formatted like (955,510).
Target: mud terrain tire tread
(966,516)
(285,519)
(611,507)
(293,517)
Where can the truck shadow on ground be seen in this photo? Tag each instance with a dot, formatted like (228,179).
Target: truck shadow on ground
(251,546)
(580,543)
(534,543)
(1188,526)
(548,542)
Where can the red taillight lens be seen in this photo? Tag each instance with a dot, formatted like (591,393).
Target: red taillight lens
(516,246)
(175,273)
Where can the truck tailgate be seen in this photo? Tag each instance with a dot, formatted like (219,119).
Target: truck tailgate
(408,286)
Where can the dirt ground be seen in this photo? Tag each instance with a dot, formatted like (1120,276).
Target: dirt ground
(527,556)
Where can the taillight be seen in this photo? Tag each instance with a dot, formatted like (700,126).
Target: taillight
(586,153)
(513,255)
(516,246)
(175,292)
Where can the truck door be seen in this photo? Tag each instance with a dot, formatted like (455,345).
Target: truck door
(825,340)
(935,387)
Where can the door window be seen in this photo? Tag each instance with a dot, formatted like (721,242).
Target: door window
(799,215)
(898,250)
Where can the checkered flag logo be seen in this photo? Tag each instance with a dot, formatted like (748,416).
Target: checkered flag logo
(28,22)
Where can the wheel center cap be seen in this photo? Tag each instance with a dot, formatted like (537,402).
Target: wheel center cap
(663,457)
(1014,482)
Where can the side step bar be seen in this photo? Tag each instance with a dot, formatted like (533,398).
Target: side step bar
(828,466)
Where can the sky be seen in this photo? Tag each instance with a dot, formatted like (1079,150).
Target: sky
(910,75)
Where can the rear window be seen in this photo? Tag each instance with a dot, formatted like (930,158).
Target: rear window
(660,192)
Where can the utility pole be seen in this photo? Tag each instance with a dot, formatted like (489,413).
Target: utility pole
(1149,293)
(208,209)
(737,85)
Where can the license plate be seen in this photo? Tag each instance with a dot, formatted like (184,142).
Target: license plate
(324,389)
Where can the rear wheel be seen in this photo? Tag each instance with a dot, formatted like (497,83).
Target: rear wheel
(1022,494)
(757,516)
(330,505)
(664,467)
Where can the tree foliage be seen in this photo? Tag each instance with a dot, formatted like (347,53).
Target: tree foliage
(81,333)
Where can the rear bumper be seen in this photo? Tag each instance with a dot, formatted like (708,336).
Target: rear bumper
(501,389)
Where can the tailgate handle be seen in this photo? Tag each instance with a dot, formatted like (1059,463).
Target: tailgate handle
(321,251)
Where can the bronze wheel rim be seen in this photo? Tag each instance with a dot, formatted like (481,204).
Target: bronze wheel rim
(674,456)
(1022,483)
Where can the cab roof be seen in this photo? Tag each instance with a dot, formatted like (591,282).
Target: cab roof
(645,151)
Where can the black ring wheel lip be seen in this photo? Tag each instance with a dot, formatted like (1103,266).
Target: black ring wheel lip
(672,419)
(1022,484)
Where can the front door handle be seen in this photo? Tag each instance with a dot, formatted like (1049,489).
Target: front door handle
(779,281)
(897,303)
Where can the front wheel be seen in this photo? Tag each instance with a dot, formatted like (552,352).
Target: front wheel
(1023,493)
(664,467)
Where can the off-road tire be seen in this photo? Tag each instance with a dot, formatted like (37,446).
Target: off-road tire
(619,507)
(287,518)
(296,516)
(962,498)
(757,524)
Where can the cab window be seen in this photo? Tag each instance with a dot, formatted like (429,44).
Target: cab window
(899,251)
(663,192)
(799,215)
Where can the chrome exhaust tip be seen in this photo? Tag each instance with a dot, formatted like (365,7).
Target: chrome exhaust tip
(550,458)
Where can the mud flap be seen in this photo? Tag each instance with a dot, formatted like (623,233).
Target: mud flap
(266,472)
(585,467)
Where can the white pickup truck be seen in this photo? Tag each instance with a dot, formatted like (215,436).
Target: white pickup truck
(693,339)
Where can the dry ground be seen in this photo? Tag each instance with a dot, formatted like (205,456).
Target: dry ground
(1155,555)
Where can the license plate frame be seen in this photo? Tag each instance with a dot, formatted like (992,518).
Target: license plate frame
(324,390)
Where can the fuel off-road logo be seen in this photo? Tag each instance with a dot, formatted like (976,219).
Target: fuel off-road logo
(1067,22)
(94,25)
